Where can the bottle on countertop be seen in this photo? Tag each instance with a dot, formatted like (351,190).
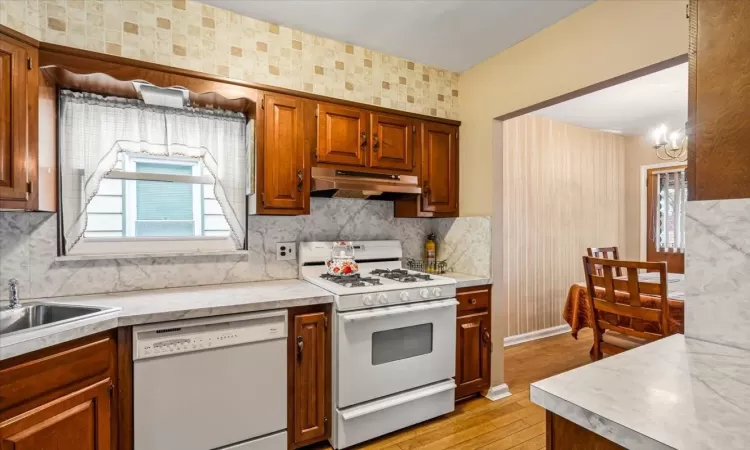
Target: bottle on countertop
(430,253)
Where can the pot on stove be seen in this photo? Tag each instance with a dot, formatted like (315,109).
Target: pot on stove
(342,261)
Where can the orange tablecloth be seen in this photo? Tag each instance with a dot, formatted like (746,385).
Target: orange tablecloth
(577,311)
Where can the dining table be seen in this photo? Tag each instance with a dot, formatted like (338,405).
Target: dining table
(577,312)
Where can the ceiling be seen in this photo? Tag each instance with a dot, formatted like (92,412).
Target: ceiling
(450,34)
(635,107)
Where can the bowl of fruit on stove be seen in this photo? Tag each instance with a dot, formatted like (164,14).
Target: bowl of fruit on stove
(342,263)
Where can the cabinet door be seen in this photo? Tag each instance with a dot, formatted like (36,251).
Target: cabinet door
(310,377)
(283,156)
(78,421)
(472,354)
(439,168)
(391,142)
(13,120)
(342,135)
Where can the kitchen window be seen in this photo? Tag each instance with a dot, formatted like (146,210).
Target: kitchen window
(146,179)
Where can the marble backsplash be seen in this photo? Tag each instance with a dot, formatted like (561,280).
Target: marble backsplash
(717,272)
(28,250)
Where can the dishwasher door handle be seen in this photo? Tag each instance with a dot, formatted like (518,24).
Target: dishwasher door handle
(300,347)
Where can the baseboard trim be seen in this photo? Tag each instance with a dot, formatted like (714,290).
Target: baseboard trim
(534,335)
(497,392)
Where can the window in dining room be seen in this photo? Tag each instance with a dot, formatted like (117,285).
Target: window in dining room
(667,198)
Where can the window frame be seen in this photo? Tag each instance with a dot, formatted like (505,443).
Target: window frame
(156,245)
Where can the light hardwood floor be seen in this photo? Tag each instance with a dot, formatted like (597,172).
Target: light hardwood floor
(511,423)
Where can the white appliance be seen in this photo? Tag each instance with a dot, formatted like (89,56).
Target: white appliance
(205,384)
(394,340)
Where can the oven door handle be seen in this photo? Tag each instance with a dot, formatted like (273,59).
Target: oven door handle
(400,399)
(396,310)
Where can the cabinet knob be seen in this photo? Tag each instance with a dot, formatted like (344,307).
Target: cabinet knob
(300,347)
(300,180)
(425,188)
(375,142)
(363,140)
(473,301)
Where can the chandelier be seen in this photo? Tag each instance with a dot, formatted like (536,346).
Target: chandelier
(670,146)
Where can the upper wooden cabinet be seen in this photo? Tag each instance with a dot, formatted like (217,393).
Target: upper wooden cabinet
(19,83)
(391,142)
(437,148)
(439,168)
(283,171)
(718,100)
(342,135)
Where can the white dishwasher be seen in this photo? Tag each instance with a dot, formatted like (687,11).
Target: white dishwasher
(214,383)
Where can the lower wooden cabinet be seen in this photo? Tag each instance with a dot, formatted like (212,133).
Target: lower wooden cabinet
(473,341)
(309,372)
(563,434)
(60,398)
(77,421)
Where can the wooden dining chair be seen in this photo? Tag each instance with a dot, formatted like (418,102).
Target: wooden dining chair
(612,335)
(605,252)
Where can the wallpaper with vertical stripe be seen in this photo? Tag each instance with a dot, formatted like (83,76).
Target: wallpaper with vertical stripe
(563,191)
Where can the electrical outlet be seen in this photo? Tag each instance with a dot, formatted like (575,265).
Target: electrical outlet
(286,251)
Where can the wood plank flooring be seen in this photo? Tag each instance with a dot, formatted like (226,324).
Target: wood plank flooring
(513,423)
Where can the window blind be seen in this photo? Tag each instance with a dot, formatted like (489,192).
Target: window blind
(671,191)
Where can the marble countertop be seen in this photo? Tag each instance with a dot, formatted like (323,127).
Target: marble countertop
(463,280)
(161,305)
(675,393)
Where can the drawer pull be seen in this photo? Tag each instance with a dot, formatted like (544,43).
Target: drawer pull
(473,301)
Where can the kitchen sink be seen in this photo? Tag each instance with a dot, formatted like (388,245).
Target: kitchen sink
(40,315)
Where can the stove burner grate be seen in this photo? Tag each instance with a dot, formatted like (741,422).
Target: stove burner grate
(401,275)
(351,281)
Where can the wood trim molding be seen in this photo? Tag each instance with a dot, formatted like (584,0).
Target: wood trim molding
(62,56)
(692,93)
(10,32)
(671,62)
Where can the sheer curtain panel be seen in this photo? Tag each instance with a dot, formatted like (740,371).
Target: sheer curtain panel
(96,131)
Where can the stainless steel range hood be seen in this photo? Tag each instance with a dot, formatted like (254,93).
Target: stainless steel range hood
(356,184)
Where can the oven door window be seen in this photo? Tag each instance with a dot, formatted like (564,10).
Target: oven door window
(401,343)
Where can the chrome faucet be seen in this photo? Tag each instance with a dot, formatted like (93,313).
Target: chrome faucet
(15,302)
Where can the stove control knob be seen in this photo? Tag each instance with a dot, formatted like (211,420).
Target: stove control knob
(424,293)
(404,296)
(367,300)
(437,292)
(382,299)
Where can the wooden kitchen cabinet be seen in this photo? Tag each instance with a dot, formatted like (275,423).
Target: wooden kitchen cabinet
(18,122)
(437,148)
(77,421)
(309,366)
(473,341)
(718,165)
(61,397)
(283,164)
(391,142)
(439,168)
(342,135)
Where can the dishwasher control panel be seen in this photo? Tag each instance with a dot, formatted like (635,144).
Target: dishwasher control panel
(169,338)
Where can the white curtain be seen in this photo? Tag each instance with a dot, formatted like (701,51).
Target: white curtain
(95,130)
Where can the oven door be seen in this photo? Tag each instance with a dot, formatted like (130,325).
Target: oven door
(387,350)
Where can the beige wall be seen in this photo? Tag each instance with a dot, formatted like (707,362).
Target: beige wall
(638,152)
(191,35)
(563,191)
(599,42)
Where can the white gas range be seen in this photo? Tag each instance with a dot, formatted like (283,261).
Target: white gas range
(394,340)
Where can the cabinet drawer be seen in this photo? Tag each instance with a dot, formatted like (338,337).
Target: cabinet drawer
(30,381)
(473,299)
